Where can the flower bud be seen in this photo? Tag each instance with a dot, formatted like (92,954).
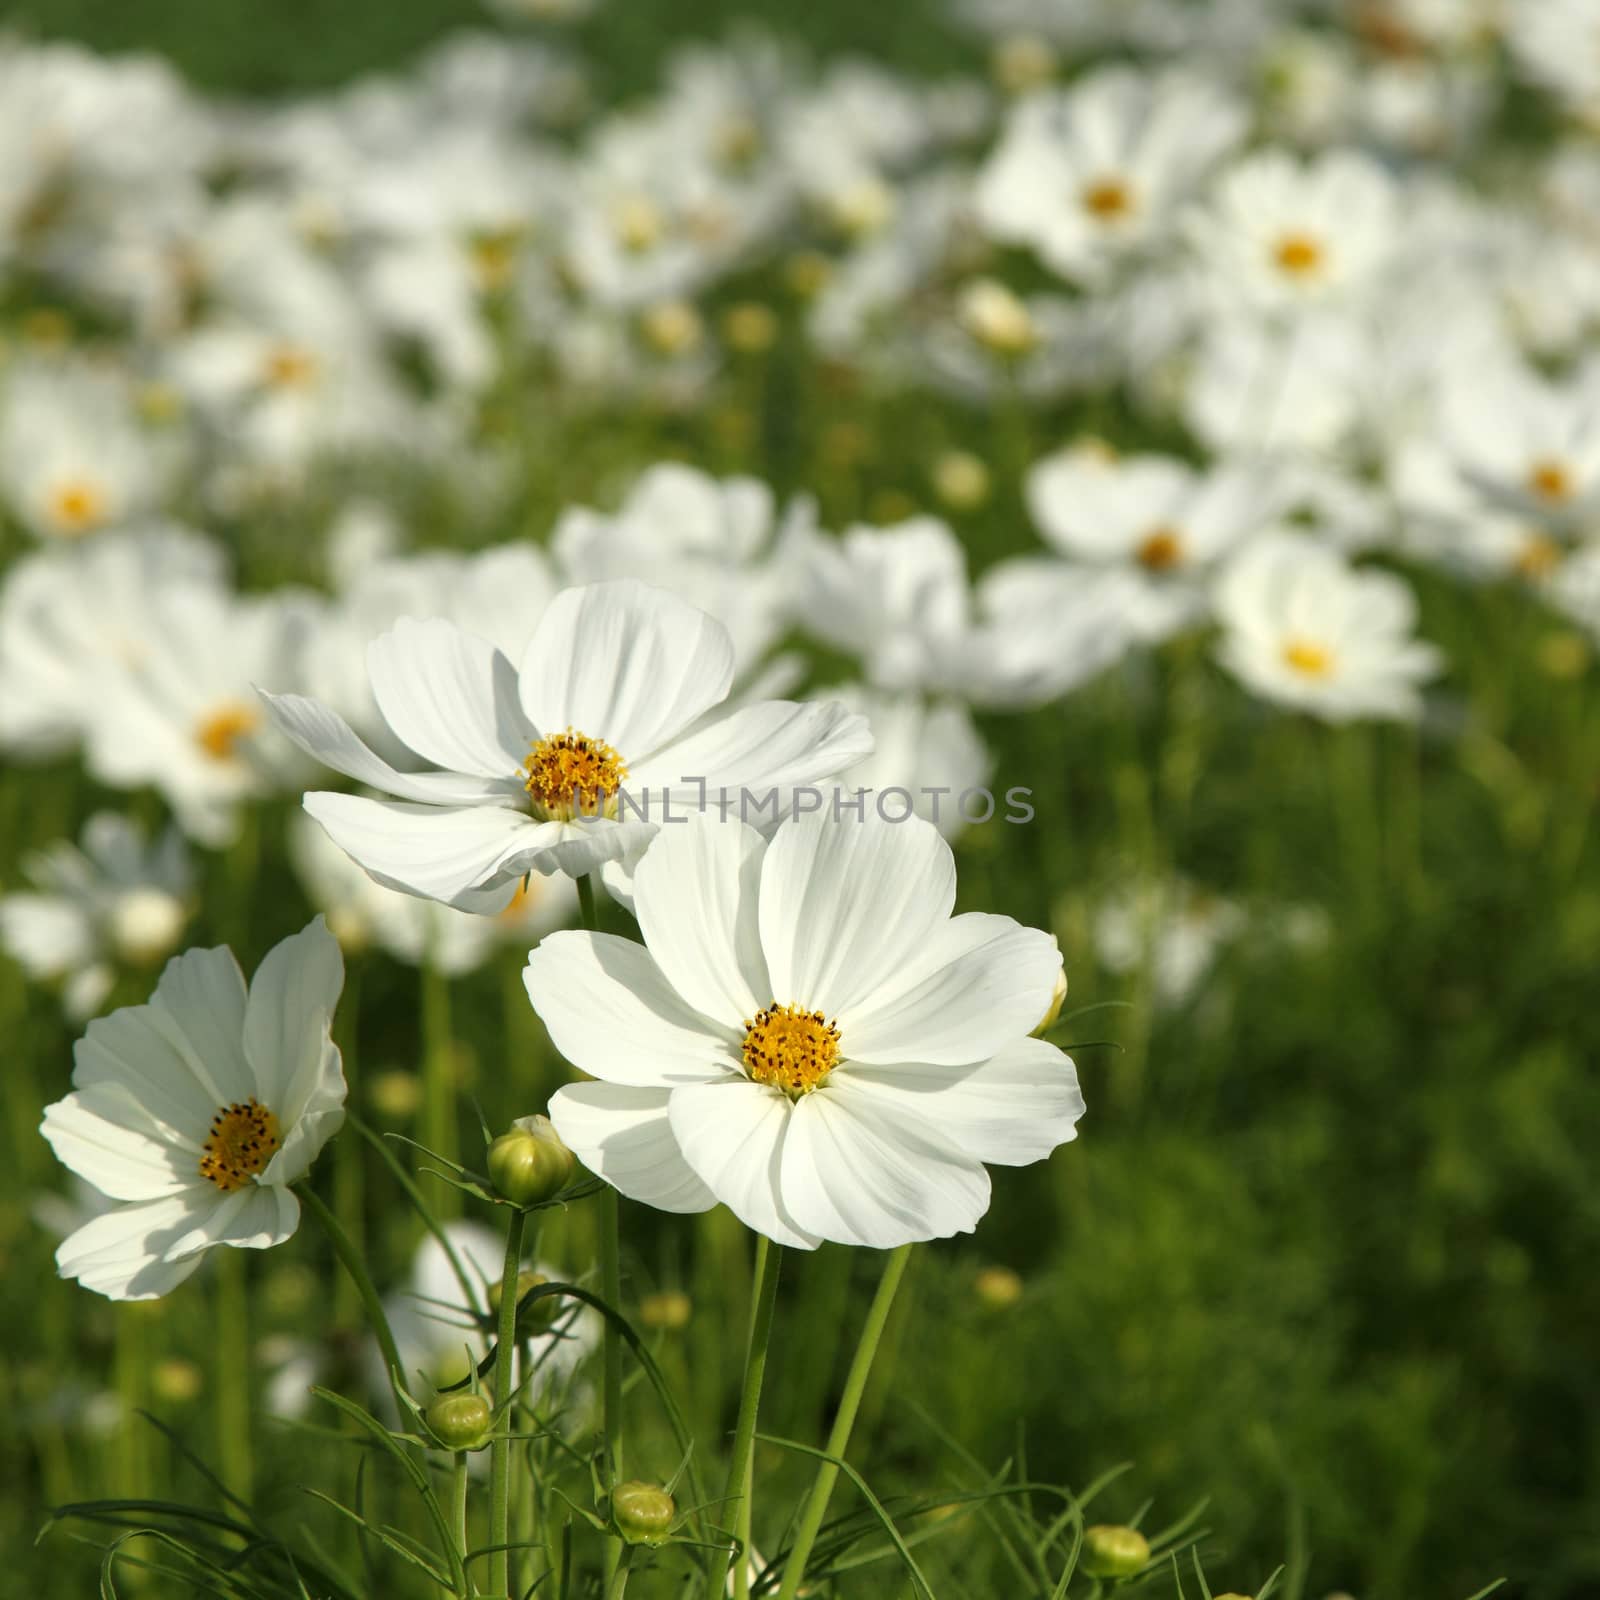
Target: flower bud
(750,327)
(961,480)
(529,1163)
(1053,1011)
(460,1421)
(669,1309)
(146,924)
(1112,1551)
(997,1288)
(672,328)
(997,318)
(643,1512)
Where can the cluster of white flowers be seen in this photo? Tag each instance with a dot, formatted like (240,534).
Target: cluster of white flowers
(1269,239)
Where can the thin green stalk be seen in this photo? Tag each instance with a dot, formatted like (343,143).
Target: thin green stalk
(234,1347)
(350,1260)
(349,1159)
(133,1364)
(769,1259)
(844,1420)
(500,1451)
(586,905)
(611,1293)
(458,1515)
(438,1078)
(618,1582)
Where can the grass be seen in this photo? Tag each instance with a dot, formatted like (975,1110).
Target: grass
(1324,1251)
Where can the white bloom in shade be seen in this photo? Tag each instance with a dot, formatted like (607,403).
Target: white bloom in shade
(565,764)
(1158,518)
(71,616)
(115,901)
(197,1111)
(1303,628)
(807,1035)
(439,1323)
(72,458)
(362,913)
(182,714)
(928,749)
(1095,173)
(1282,236)
(716,542)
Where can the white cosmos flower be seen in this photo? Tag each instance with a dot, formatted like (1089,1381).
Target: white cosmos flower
(116,901)
(1156,517)
(618,695)
(197,1111)
(1281,236)
(807,1034)
(1303,628)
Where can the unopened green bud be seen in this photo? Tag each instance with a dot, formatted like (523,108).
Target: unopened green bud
(529,1164)
(643,1512)
(1113,1551)
(460,1421)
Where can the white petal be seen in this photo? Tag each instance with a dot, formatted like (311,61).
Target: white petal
(142,1080)
(612,1014)
(776,744)
(859,1173)
(846,905)
(327,737)
(438,852)
(624,663)
(199,1005)
(122,1253)
(978,983)
(696,895)
(1010,1110)
(46,935)
(732,1133)
(292,997)
(451,697)
(252,1218)
(97,1133)
(622,1134)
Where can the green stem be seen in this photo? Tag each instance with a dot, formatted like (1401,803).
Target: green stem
(458,1515)
(438,1076)
(741,1471)
(611,1293)
(769,1258)
(349,1159)
(500,1451)
(233,1373)
(350,1260)
(133,1362)
(844,1420)
(586,905)
(619,1579)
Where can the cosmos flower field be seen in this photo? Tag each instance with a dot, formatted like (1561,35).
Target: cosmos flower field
(799,801)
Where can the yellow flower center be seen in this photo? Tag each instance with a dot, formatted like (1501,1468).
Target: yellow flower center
(1310,660)
(244,1138)
(790,1049)
(1161,550)
(1107,199)
(1551,480)
(638,224)
(77,505)
(221,730)
(1301,255)
(570,774)
(289,366)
